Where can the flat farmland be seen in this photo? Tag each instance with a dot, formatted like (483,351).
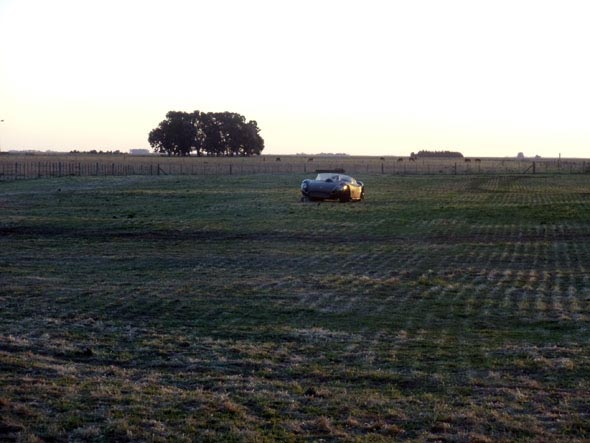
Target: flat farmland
(183,308)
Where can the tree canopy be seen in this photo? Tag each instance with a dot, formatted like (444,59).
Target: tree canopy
(436,154)
(206,133)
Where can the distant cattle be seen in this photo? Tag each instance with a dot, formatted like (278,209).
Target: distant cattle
(467,160)
(278,159)
(400,159)
(310,159)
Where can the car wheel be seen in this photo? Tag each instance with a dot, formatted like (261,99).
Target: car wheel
(345,196)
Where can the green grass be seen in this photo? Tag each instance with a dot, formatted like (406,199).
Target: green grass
(442,308)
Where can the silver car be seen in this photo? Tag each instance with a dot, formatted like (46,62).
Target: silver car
(332,186)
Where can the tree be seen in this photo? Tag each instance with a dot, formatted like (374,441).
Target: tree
(177,135)
(253,139)
(212,133)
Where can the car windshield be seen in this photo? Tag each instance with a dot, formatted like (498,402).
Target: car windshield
(335,177)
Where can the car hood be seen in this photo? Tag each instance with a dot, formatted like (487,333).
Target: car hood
(320,184)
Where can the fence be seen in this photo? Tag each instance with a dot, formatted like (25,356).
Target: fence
(30,167)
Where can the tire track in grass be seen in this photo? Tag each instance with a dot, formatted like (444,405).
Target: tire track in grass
(450,298)
(410,305)
(569,294)
(494,288)
(485,296)
(511,300)
(508,299)
(557,311)
(572,303)
(532,279)
(429,302)
(541,297)
(525,300)
(584,294)
(575,281)
(457,300)
(398,300)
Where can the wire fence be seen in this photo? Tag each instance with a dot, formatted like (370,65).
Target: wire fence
(32,167)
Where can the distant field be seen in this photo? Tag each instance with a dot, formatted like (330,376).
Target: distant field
(16,167)
(441,309)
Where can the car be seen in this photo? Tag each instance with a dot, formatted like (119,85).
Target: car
(332,186)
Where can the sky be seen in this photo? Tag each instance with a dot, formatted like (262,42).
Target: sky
(370,77)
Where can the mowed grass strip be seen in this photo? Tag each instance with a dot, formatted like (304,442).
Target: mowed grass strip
(182,308)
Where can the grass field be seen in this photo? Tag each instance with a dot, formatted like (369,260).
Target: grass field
(441,309)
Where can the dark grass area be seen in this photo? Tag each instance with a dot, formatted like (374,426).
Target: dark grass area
(188,309)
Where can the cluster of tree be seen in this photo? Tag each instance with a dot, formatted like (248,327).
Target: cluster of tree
(323,154)
(206,133)
(436,154)
(94,151)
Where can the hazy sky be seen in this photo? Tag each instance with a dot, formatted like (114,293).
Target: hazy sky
(362,77)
